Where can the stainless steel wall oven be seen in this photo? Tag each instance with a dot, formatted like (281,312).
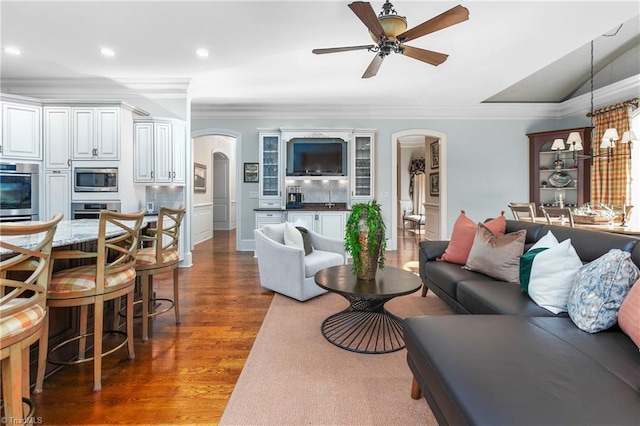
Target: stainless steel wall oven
(19,193)
(91,209)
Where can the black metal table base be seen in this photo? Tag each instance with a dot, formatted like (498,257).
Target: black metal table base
(365,327)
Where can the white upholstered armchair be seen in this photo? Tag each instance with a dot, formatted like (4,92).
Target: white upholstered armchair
(286,270)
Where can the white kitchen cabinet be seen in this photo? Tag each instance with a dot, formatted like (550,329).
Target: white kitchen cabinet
(57,194)
(96,133)
(327,223)
(57,138)
(268,218)
(362,167)
(159,151)
(270,170)
(21,136)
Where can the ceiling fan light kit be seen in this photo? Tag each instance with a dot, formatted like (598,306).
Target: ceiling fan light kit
(389,31)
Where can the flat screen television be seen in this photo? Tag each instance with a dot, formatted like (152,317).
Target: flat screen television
(317,157)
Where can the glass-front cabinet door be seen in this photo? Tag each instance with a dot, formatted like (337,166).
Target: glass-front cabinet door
(270,171)
(362,161)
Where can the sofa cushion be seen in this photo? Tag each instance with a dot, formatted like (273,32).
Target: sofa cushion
(497,297)
(600,288)
(508,370)
(306,239)
(464,231)
(552,275)
(629,314)
(320,259)
(447,275)
(496,256)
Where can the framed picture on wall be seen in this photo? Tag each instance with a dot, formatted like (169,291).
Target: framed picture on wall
(199,177)
(251,172)
(434,184)
(435,154)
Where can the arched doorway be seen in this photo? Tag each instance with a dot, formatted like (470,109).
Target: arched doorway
(206,144)
(436,209)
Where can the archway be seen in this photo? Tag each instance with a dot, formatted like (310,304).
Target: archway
(439,208)
(206,144)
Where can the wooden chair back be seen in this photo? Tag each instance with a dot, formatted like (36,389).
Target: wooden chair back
(523,211)
(558,212)
(166,237)
(34,261)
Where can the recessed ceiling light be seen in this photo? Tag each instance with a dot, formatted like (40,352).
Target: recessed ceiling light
(203,53)
(13,50)
(107,51)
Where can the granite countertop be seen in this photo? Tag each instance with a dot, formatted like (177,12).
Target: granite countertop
(307,207)
(69,232)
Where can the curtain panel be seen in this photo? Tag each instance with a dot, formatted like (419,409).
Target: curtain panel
(610,177)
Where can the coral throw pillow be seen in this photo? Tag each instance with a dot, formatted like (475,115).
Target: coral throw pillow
(629,314)
(464,231)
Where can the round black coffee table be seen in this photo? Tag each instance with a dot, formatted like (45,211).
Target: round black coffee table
(366,326)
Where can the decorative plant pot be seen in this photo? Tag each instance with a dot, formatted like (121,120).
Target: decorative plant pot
(368,261)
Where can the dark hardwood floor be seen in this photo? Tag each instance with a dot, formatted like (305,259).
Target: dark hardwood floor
(184,374)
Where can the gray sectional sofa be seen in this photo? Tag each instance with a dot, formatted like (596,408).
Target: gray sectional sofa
(518,363)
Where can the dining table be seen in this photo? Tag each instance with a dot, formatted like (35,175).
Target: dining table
(613,227)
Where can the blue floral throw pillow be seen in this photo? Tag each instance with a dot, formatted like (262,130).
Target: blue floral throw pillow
(599,290)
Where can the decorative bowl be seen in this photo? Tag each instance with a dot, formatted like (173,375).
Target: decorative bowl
(560,179)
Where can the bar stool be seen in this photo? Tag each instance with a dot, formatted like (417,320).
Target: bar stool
(23,308)
(162,256)
(112,276)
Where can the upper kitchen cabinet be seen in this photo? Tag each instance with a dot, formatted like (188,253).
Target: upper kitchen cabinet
(95,133)
(21,136)
(362,170)
(57,137)
(159,151)
(270,154)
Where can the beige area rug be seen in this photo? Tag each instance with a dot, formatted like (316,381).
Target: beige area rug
(293,376)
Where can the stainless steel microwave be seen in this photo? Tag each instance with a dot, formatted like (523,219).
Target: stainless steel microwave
(95,179)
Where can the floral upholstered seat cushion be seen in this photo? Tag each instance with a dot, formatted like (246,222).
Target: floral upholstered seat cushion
(147,256)
(20,321)
(83,278)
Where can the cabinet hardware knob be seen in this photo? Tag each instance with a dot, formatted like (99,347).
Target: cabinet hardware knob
(174,175)
(69,162)
(151,175)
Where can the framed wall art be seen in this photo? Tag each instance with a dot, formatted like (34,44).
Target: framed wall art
(199,177)
(435,154)
(251,172)
(434,184)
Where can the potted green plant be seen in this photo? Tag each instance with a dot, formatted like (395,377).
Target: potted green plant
(365,239)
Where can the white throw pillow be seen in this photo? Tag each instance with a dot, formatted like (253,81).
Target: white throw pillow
(547,241)
(553,274)
(293,237)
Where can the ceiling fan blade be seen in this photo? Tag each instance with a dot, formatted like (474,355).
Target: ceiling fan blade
(341,49)
(364,11)
(373,67)
(428,56)
(452,16)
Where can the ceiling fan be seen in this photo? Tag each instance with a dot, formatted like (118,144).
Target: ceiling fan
(389,31)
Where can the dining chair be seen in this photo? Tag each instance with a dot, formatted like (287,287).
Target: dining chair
(111,276)
(562,213)
(523,211)
(24,278)
(162,256)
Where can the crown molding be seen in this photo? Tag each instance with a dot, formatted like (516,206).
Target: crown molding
(97,88)
(611,94)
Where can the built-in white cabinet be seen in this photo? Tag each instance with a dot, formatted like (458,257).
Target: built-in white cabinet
(95,133)
(327,223)
(21,136)
(57,194)
(268,218)
(57,138)
(270,170)
(362,167)
(159,151)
